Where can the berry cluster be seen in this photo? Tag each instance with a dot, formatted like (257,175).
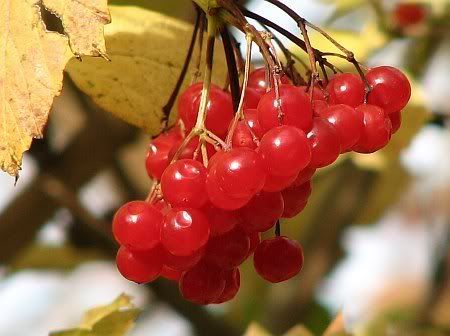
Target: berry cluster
(205,221)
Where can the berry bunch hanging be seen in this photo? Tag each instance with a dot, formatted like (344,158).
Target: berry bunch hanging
(238,161)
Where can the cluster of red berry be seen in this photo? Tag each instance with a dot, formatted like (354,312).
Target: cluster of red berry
(207,220)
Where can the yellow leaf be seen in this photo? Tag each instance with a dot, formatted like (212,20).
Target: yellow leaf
(31,69)
(336,326)
(147,51)
(298,331)
(115,319)
(83,22)
(255,329)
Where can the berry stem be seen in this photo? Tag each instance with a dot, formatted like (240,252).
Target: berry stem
(196,71)
(239,113)
(233,75)
(278,229)
(169,105)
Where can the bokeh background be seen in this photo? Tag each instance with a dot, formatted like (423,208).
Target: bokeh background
(375,232)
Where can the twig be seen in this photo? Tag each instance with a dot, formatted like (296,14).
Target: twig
(233,76)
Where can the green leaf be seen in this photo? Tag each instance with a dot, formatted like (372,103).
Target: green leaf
(147,51)
(114,319)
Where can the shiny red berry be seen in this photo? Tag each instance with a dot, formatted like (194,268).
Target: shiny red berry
(240,173)
(293,108)
(220,221)
(219,108)
(278,259)
(157,158)
(255,239)
(304,176)
(277,183)
(185,231)
(324,142)
(252,98)
(182,263)
(242,136)
(137,225)
(139,267)
(346,88)
(285,151)
(183,184)
(347,122)
(259,81)
(396,121)
(391,89)
(377,129)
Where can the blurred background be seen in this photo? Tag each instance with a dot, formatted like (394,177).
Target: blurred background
(375,232)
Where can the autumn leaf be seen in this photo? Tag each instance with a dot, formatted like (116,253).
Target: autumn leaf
(32,64)
(147,51)
(115,319)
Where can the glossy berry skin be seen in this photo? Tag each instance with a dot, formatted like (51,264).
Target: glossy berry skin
(170,274)
(318,107)
(203,284)
(139,267)
(252,98)
(183,184)
(262,212)
(137,225)
(324,142)
(242,136)
(278,259)
(377,129)
(318,94)
(228,250)
(396,121)
(240,173)
(304,176)
(219,108)
(232,283)
(409,14)
(257,80)
(347,122)
(220,221)
(182,263)
(185,231)
(295,107)
(277,183)
(157,158)
(391,89)
(251,117)
(284,151)
(295,199)
(346,88)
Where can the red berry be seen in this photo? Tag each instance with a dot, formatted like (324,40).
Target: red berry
(257,80)
(377,129)
(262,212)
(408,14)
(285,151)
(219,108)
(396,121)
(255,239)
(182,263)
(252,98)
(183,184)
(325,145)
(390,88)
(232,283)
(228,250)
(220,221)
(137,225)
(189,150)
(278,259)
(319,106)
(251,117)
(157,158)
(277,183)
(219,198)
(295,199)
(203,284)
(346,88)
(185,231)
(140,267)
(240,173)
(170,274)
(318,93)
(295,107)
(347,122)
(304,176)
(242,136)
